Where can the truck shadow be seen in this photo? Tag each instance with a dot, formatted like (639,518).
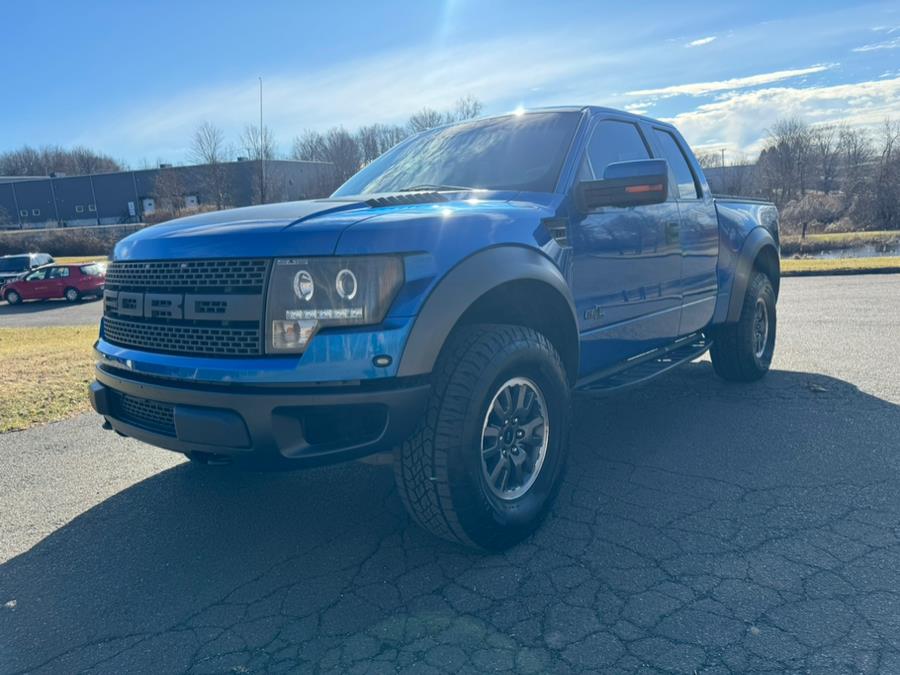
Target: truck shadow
(202,566)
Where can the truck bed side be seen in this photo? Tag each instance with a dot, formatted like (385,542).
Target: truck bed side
(748,234)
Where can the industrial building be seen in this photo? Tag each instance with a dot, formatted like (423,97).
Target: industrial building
(129,196)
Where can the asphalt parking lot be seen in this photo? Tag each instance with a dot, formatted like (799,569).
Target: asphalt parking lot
(50,313)
(703,527)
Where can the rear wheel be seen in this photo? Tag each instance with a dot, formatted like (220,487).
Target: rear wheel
(72,294)
(488,458)
(742,351)
(13,298)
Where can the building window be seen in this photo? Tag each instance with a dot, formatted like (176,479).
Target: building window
(35,212)
(92,208)
(79,209)
(24,213)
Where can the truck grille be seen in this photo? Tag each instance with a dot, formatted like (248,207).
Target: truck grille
(194,307)
(235,275)
(150,415)
(201,340)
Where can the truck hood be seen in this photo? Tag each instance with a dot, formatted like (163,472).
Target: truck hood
(292,228)
(307,228)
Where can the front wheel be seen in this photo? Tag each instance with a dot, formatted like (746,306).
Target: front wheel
(488,458)
(742,351)
(13,298)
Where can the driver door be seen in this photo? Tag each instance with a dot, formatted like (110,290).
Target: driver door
(627,261)
(36,285)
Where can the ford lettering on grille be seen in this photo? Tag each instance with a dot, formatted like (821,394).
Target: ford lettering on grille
(203,307)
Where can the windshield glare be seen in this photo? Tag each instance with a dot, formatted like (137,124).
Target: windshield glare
(13,264)
(517,152)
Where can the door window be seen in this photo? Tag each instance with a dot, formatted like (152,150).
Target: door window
(59,272)
(687,185)
(37,275)
(612,141)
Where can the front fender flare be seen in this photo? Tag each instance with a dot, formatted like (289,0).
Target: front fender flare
(463,286)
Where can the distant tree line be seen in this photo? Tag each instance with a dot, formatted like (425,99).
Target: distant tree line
(347,151)
(53,159)
(823,177)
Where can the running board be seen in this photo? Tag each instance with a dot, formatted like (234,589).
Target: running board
(644,367)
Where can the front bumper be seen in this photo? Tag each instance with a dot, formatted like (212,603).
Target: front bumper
(261,426)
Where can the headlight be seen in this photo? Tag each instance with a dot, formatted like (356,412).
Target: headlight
(306,294)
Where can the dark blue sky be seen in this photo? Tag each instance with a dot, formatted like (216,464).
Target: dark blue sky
(135,80)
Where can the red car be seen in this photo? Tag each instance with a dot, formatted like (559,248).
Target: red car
(71,282)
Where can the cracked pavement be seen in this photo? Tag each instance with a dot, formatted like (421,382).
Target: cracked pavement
(703,527)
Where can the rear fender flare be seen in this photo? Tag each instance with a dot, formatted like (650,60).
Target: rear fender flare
(758,239)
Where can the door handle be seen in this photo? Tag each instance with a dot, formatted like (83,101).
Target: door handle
(672,230)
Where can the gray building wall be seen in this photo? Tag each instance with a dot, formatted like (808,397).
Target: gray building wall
(103,199)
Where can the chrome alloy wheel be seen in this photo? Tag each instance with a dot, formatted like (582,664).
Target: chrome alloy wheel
(514,438)
(760,328)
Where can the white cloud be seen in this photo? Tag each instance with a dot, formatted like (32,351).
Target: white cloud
(700,42)
(381,88)
(704,88)
(876,46)
(741,119)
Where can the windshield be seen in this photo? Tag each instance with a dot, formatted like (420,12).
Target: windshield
(517,152)
(19,264)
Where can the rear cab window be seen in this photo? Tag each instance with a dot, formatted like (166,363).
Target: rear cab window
(686,181)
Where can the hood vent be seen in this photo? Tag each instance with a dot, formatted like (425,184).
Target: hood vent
(406,198)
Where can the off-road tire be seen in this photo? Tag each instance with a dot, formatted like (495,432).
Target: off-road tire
(733,352)
(438,470)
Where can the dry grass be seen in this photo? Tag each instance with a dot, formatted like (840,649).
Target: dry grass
(832,241)
(74,260)
(841,237)
(791,266)
(45,374)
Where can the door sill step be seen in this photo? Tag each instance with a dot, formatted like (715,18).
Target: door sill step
(650,365)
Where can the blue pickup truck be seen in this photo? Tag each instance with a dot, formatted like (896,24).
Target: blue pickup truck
(443,304)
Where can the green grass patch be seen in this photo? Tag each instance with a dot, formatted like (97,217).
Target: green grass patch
(45,374)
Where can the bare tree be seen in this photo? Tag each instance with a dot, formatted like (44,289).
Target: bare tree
(426,118)
(785,162)
(886,190)
(826,154)
(467,108)
(337,147)
(709,159)
(169,192)
(259,146)
(309,146)
(208,147)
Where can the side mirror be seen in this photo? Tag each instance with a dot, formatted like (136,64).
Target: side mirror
(642,181)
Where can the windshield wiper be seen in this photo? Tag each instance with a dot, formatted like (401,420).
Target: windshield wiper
(430,186)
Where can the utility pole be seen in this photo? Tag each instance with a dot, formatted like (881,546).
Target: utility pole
(262,150)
